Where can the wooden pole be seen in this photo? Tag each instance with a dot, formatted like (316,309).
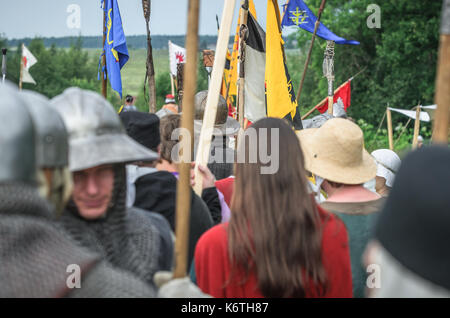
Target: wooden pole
(104,73)
(242,32)
(416,127)
(316,26)
(187,122)
(171,85)
(150,69)
(21,69)
(212,100)
(323,101)
(389,124)
(442,95)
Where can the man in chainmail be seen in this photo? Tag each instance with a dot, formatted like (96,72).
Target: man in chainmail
(52,150)
(96,216)
(36,254)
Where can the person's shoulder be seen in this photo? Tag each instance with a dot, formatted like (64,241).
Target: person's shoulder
(331,223)
(143,217)
(217,235)
(159,176)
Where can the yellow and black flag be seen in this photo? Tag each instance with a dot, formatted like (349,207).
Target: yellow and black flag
(280,96)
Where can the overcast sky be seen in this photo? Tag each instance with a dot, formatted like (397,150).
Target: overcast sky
(46,18)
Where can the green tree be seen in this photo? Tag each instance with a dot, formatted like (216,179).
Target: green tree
(399,58)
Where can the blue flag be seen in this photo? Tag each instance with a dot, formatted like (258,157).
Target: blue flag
(297,13)
(115,47)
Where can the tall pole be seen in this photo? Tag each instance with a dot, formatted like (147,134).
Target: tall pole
(204,142)
(316,26)
(187,122)
(104,71)
(241,60)
(389,124)
(328,72)
(4,65)
(416,127)
(442,96)
(150,69)
(172,85)
(21,69)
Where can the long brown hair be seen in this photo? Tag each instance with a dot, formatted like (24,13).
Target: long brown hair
(274,230)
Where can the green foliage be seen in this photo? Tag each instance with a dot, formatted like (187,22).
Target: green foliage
(56,69)
(133,41)
(399,58)
(376,137)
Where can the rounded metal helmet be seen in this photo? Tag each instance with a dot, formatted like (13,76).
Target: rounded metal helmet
(96,133)
(52,145)
(225,124)
(17,138)
(200,105)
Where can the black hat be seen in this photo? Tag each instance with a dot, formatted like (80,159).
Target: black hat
(414,225)
(142,127)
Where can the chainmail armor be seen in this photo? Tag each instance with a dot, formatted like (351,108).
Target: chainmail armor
(35,254)
(127,240)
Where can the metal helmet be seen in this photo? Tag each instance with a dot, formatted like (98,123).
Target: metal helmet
(200,105)
(17,138)
(96,133)
(224,124)
(52,146)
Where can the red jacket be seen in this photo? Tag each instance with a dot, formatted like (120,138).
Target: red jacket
(212,264)
(226,186)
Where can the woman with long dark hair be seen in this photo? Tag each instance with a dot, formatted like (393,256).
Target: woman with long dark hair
(278,242)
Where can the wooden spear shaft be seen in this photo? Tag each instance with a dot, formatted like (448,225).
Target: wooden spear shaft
(416,127)
(21,70)
(183,203)
(316,26)
(389,124)
(442,95)
(171,85)
(204,142)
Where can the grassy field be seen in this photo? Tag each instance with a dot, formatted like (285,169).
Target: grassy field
(133,72)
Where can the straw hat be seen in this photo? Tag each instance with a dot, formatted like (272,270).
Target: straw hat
(336,152)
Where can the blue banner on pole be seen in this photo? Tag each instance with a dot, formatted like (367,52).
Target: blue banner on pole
(115,46)
(297,13)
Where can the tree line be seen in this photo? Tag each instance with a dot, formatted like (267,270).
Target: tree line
(399,59)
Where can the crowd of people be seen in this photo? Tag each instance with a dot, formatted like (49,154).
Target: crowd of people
(88,205)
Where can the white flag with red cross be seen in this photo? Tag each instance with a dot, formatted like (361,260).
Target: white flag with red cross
(177,55)
(28,60)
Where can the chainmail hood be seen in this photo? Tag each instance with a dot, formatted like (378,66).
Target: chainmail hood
(126,239)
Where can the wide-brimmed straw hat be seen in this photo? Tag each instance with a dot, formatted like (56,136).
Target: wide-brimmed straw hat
(336,152)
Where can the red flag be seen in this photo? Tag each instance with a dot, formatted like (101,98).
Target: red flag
(343,92)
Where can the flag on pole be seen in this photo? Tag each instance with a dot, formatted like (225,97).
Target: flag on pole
(177,55)
(115,46)
(343,93)
(424,116)
(297,13)
(28,60)
(255,67)
(233,72)
(280,95)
